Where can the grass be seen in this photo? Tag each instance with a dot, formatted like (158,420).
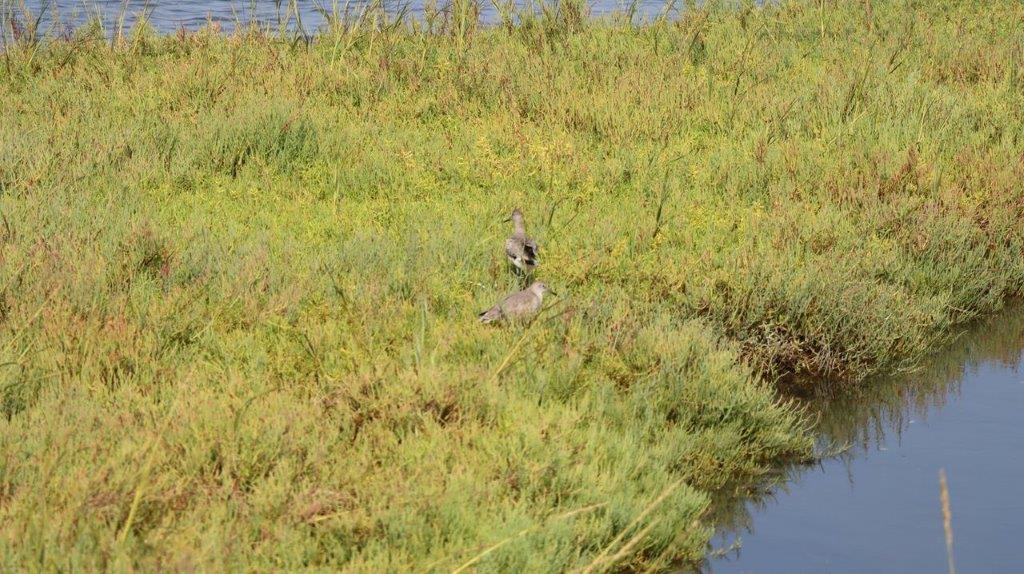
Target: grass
(240,274)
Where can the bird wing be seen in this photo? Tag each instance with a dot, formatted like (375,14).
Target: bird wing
(519,304)
(530,249)
(514,248)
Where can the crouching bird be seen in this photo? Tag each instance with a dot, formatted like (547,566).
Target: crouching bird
(519,305)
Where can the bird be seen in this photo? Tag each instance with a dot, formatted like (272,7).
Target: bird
(520,249)
(519,305)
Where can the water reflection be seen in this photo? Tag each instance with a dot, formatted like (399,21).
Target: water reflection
(863,433)
(882,409)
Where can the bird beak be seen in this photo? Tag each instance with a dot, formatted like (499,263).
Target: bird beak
(507,219)
(552,292)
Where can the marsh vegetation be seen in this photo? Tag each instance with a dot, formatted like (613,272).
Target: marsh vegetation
(239,274)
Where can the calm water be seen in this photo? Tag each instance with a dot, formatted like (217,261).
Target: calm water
(169,15)
(876,508)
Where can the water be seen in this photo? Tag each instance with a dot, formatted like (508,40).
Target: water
(169,16)
(876,508)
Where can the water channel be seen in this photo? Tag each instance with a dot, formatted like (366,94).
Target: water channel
(875,506)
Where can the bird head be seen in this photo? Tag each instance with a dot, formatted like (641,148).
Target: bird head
(516,217)
(541,288)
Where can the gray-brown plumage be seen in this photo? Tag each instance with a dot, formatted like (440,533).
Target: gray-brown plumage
(517,306)
(520,248)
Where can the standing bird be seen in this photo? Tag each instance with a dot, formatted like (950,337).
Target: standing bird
(519,305)
(520,249)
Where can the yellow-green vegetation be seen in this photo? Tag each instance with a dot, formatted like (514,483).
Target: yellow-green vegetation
(239,274)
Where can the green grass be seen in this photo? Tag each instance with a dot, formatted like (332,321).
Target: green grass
(239,275)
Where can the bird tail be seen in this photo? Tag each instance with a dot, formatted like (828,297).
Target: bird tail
(491,315)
